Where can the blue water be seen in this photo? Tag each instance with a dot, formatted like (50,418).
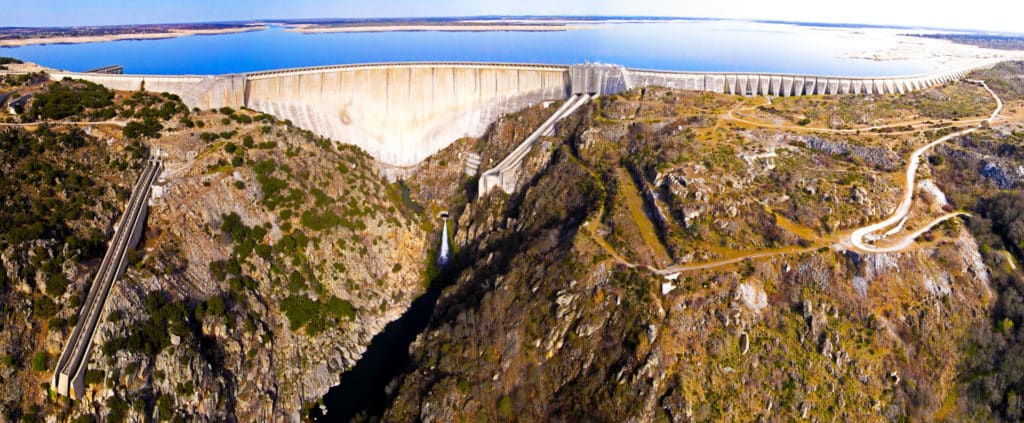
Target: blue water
(693,46)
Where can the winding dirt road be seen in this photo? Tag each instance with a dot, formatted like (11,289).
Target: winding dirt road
(857,236)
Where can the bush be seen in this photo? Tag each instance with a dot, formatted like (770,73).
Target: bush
(117,409)
(40,361)
(152,335)
(165,406)
(296,282)
(149,127)
(299,309)
(94,377)
(319,221)
(63,100)
(505,407)
(44,307)
(57,285)
(215,306)
(339,308)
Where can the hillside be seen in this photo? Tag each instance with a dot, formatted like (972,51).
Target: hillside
(270,258)
(556,312)
(668,256)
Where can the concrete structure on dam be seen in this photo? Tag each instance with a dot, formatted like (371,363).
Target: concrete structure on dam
(69,376)
(401,113)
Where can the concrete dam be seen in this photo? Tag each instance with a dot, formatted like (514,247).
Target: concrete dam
(401,113)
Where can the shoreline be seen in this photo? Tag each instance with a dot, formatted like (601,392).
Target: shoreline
(468,25)
(176,33)
(445,27)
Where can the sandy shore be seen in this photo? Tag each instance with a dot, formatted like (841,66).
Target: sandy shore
(446,27)
(133,36)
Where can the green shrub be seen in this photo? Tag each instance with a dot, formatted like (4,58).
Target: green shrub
(215,306)
(505,407)
(117,409)
(296,282)
(40,361)
(299,309)
(339,308)
(165,406)
(319,221)
(44,307)
(63,100)
(57,285)
(94,377)
(149,127)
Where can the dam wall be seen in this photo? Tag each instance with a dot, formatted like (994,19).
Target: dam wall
(785,85)
(204,92)
(401,113)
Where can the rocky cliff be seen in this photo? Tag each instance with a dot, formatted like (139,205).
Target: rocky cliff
(557,314)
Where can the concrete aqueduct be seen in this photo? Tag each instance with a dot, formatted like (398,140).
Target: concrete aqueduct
(401,113)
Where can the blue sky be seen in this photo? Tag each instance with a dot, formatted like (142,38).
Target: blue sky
(992,15)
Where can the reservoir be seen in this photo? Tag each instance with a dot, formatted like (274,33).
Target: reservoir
(699,45)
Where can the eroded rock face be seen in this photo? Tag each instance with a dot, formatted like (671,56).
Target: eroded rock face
(881,158)
(254,358)
(560,328)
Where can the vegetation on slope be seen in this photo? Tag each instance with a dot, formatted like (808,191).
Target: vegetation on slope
(561,327)
(61,189)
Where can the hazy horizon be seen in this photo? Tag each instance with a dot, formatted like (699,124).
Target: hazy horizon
(489,16)
(916,13)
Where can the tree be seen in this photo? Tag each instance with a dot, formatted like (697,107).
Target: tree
(215,305)
(165,405)
(149,127)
